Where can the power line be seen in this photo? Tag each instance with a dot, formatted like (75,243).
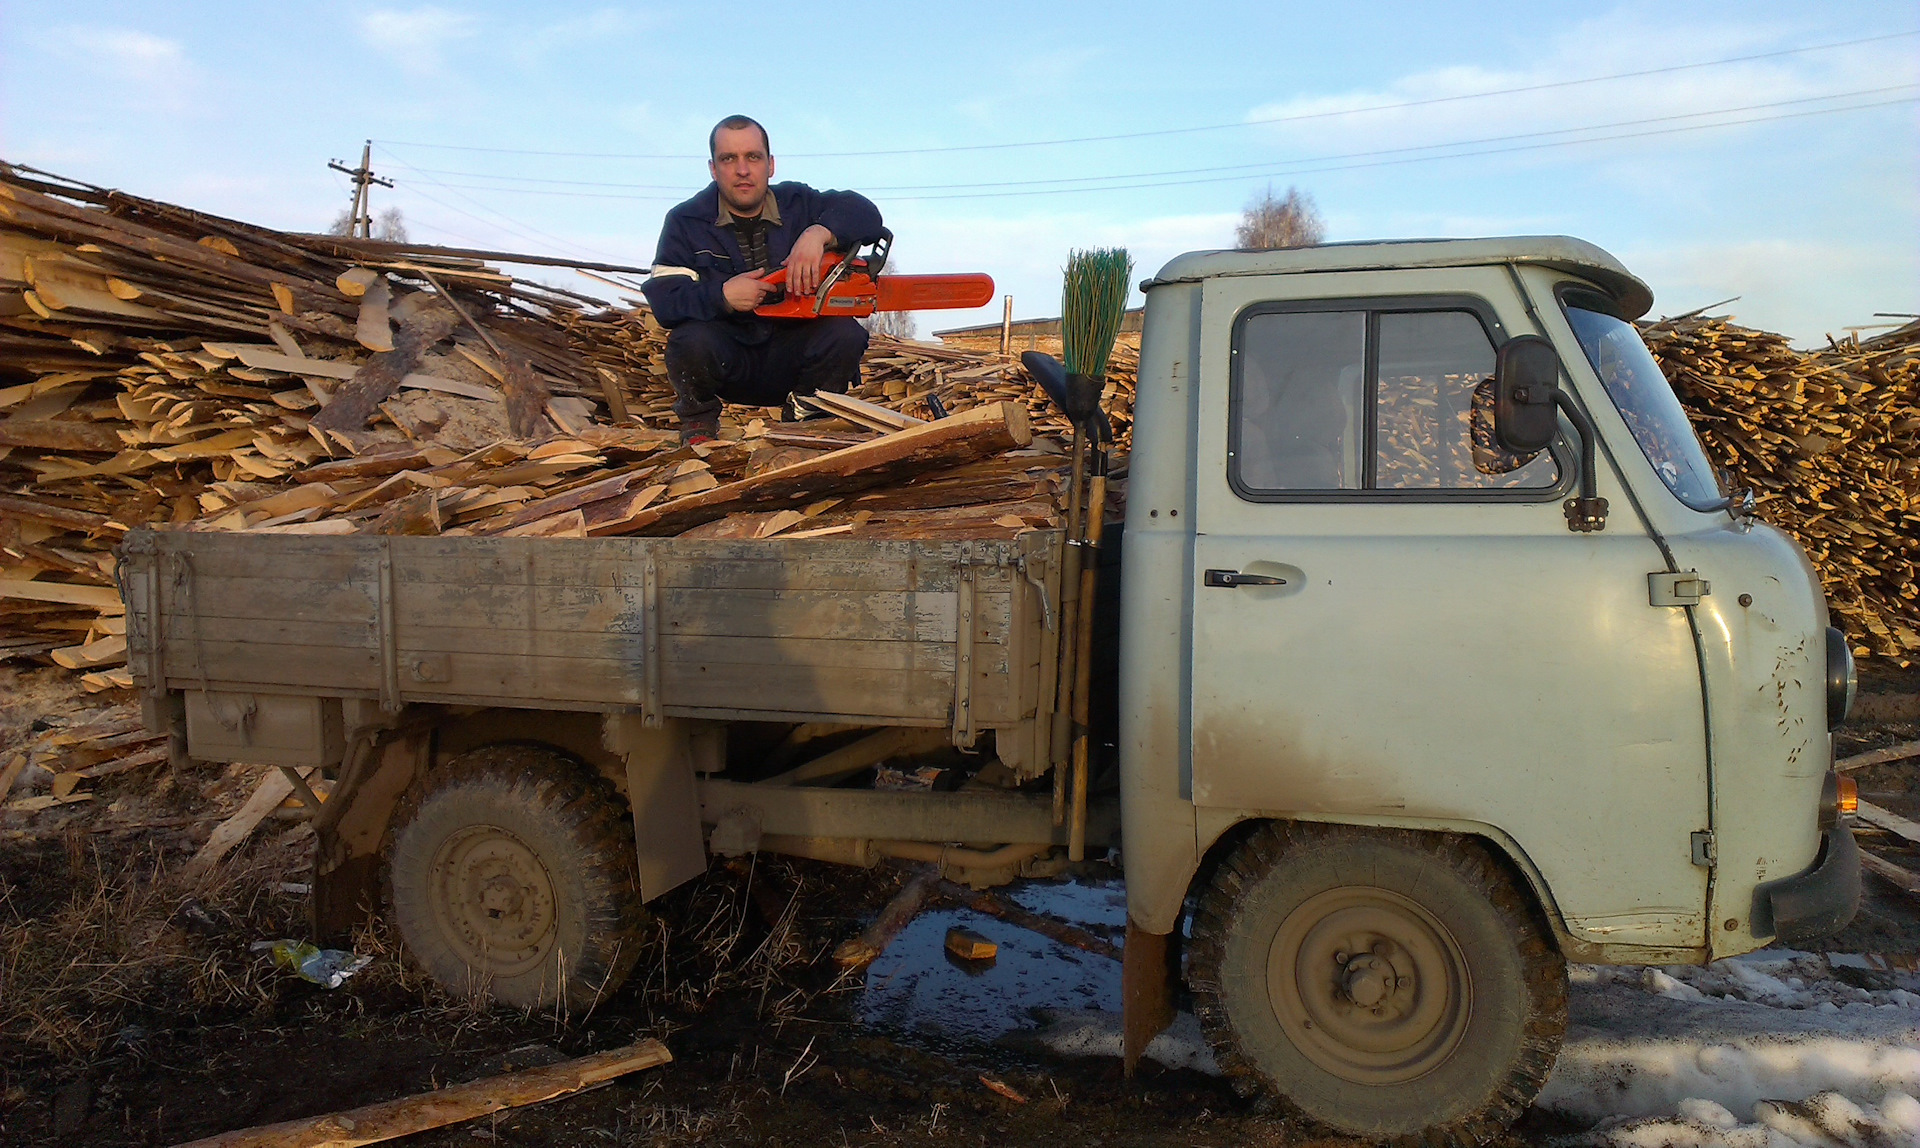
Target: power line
(1427,158)
(1293,167)
(1552,85)
(681,189)
(522,230)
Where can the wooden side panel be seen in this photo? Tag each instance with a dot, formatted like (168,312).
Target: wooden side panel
(868,630)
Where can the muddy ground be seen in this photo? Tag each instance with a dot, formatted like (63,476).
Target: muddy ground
(134,1012)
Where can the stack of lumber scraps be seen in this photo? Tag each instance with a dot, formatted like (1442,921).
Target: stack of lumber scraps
(914,378)
(1827,440)
(63,763)
(158,365)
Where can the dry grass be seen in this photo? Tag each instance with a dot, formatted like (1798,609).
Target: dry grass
(744,926)
(129,935)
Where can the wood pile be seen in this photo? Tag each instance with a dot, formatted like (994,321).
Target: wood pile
(160,366)
(78,751)
(1827,440)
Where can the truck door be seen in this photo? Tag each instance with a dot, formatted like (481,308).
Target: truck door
(1387,630)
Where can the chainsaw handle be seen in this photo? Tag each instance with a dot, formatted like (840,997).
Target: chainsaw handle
(830,263)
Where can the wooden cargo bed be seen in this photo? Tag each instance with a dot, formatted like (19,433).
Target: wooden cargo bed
(926,633)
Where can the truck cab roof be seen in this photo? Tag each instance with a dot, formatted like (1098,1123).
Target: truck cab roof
(1560,252)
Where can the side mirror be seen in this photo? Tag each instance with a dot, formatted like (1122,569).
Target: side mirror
(1526,379)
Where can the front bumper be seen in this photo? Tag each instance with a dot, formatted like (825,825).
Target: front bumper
(1816,903)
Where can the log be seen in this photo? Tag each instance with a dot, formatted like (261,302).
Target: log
(453,1104)
(1890,821)
(13,506)
(938,445)
(863,950)
(1900,752)
(1903,879)
(374,383)
(49,434)
(526,397)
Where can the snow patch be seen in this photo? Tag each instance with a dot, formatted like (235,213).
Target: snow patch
(1096,1032)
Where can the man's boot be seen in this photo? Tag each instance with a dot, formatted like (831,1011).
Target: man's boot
(699,429)
(795,411)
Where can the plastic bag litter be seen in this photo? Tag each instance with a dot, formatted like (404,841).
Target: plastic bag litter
(328,968)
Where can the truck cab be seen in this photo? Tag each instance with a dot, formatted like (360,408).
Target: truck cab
(1347,608)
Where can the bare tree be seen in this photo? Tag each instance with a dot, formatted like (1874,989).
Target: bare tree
(1287,221)
(898,324)
(389,225)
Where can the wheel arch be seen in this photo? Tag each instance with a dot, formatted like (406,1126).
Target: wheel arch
(1218,839)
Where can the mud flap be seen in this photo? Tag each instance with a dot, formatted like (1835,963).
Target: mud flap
(351,829)
(666,804)
(1146,992)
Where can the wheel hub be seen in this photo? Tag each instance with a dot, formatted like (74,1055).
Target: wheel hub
(493,900)
(1369,985)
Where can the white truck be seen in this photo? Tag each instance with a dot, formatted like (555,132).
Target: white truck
(1443,660)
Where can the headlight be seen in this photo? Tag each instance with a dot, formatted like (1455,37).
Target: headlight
(1841,682)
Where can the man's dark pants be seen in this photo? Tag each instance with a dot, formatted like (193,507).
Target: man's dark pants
(707,361)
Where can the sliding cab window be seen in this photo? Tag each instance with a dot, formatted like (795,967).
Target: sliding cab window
(1369,400)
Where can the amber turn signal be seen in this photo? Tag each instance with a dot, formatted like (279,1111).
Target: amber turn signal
(1849,795)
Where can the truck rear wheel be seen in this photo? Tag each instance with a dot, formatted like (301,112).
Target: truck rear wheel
(510,874)
(1389,984)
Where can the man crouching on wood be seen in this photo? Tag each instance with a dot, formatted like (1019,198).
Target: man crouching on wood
(716,251)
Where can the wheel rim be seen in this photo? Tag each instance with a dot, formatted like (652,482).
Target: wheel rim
(1369,986)
(493,900)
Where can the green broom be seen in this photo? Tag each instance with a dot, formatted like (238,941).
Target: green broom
(1093,303)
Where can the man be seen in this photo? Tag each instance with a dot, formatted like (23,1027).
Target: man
(716,251)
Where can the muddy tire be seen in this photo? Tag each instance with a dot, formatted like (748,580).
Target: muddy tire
(1391,985)
(510,874)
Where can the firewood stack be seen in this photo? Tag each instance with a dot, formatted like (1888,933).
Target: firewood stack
(1826,439)
(162,366)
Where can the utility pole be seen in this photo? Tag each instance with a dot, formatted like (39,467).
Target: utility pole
(363,179)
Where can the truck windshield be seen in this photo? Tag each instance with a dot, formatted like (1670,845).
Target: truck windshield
(1647,403)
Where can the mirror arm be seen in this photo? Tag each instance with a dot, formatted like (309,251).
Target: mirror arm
(1586,514)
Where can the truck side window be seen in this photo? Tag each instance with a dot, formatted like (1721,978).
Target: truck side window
(1429,364)
(1302,390)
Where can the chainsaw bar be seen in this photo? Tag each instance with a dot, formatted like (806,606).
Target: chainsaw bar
(851,291)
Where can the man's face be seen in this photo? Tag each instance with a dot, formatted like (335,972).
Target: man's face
(742,167)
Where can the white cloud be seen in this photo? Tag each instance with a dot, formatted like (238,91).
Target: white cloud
(1802,288)
(1338,125)
(129,47)
(128,63)
(417,36)
(594,27)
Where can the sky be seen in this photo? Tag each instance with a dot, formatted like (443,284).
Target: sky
(1763,150)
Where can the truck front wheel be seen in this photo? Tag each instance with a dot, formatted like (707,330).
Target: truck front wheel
(510,875)
(1390,984)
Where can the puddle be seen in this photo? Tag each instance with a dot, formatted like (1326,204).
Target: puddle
(916,990)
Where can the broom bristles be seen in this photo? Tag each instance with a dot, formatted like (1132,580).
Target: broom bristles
(1093,302)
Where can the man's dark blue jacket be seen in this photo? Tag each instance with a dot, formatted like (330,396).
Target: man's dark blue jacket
(697,255)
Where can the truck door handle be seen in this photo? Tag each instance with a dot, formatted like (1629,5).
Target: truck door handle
(1231,579)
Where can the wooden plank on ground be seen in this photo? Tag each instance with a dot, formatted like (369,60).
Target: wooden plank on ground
(453,1104)
(1906,880)
(273,789)
(1890,821)
(1900,752)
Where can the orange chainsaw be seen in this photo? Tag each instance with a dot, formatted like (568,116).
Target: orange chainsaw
(851,285)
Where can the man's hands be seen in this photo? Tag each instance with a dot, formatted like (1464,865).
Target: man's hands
(745,292)
(803,263)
